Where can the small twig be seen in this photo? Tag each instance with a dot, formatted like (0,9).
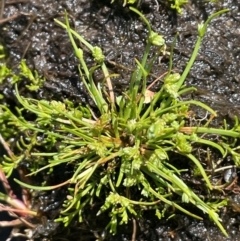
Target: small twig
(32,18)
(110,89)
(159,78)
(9,18)
(223,168)
(42,188)
(93,115)
(2,8)
(126,68)
(6,185)
(14,16)
(23,213)
(134,229)
(6,147)
(156,80)
(156,1)
(17,223)
(26,49)
(232,183)
(16,1)
(13,223)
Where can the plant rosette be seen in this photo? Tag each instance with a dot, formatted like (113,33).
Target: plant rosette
(121,146)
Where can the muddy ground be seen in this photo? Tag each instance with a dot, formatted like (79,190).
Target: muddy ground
(28,31)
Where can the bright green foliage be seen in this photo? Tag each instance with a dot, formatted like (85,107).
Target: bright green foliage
(170,84)
(175,4)
(4,72)
(156,39)
(35,81)
(98,55)
(2,52)
(125,2)
(124,146)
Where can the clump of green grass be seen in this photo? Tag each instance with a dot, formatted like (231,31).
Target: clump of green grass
(124,144)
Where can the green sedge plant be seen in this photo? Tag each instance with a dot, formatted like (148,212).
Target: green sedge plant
(123,144)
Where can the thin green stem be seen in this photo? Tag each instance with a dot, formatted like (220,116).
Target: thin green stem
(209,130)
(202,32)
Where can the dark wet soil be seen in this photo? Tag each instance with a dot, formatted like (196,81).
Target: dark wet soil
(27,30)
